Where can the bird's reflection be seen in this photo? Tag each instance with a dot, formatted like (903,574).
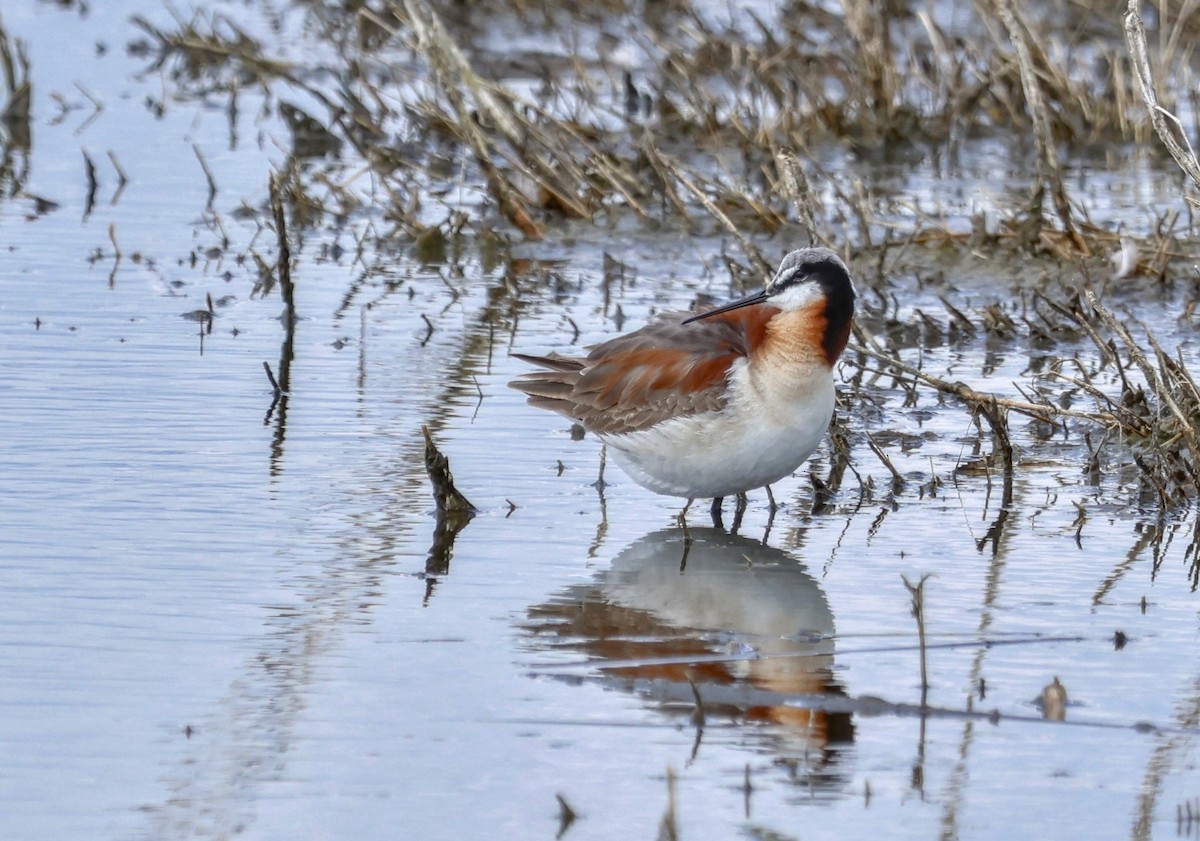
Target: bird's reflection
(742,626)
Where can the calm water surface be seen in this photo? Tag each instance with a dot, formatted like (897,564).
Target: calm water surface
(219,619)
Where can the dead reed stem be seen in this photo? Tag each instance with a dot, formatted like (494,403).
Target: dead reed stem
(1135,37)
(284,262)
(1049,168)
(917,592)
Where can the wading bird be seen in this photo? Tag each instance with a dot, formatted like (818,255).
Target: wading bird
(716,403)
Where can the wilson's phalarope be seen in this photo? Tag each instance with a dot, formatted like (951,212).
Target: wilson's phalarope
(716,403)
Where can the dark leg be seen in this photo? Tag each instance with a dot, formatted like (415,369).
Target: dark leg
(771,501)
(716,513)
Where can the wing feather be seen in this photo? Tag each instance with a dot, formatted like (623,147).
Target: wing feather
(663,370)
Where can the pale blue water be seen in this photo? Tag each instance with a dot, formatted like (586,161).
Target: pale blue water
(215,623)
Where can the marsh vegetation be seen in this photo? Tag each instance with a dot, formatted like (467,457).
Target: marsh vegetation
(424,188)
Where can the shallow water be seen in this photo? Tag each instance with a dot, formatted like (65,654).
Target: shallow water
(222,618)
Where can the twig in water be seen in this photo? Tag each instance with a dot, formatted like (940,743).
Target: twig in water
(668,829)
(897,479)
(271,377)
(566,816)
(958,316)
(212,182)
(1002,443)
(276,398)
(1054,701)
(1080,519)
(92,183)
(918,609)
(747,790)
(122,178)
(284,262)
(112,236)
(97,108)
(698,718)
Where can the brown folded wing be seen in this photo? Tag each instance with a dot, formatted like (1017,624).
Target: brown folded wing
(664,370)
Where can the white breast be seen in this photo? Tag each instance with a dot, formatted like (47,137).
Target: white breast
(773,420)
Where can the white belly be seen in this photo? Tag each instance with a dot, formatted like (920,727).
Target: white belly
(761,436)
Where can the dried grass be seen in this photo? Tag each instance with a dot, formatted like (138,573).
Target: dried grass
(723,126)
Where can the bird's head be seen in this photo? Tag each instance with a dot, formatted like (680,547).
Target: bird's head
(806,276)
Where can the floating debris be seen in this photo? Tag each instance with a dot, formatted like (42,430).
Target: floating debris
(1054,701)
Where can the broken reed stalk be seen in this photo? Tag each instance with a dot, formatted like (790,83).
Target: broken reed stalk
(1135,37)
(271,377)
(1001,444)
(92,182)
(566,815)
(1049,167)
(112,237)
(698,717)
(668,827)
(284,262)
(208,175)
(897,478)
(448,498)
(918,611)
(1054,701)
(122,178)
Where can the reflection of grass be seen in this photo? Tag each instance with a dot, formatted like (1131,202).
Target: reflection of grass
(211,48)
(15,98)
(14,65)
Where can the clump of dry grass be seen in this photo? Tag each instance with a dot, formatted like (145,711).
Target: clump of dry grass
(1157,409)
(677,114)
(1144,402)
(724,125)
